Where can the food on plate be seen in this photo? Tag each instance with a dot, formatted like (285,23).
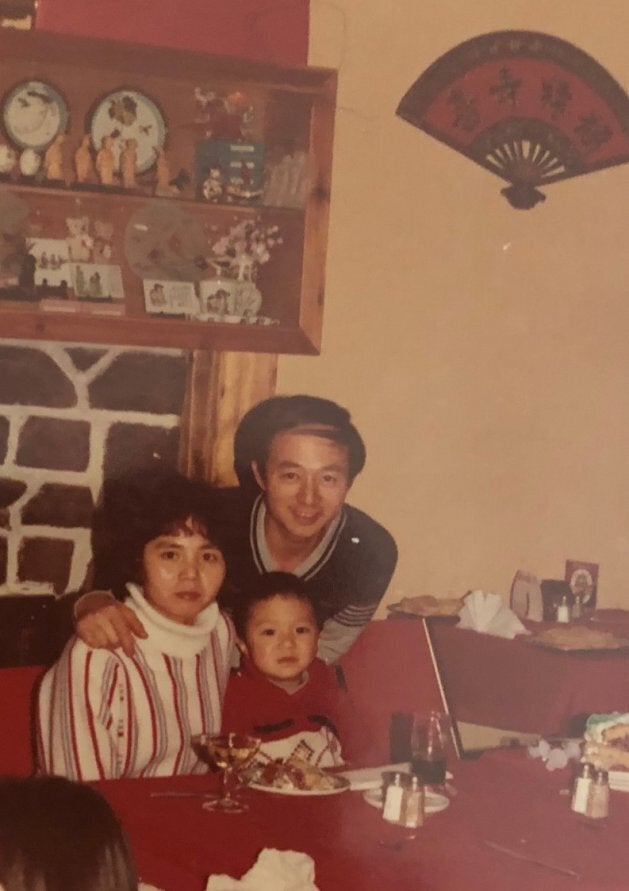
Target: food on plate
(295,773)
(607,741)
(426,605)
(578,637)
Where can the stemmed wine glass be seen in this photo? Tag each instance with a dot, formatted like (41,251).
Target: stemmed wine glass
(230,752)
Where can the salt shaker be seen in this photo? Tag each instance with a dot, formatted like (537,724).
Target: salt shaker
(563,610)
(413,804)
(581,790)
(392,810)
(598,799)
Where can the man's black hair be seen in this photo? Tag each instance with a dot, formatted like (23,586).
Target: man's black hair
(321,417)
(264,588)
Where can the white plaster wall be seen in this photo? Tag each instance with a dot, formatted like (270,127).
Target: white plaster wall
(483,350)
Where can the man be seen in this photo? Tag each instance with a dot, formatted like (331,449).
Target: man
(296,458)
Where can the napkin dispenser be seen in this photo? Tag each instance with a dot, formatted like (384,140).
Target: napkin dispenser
(526,598)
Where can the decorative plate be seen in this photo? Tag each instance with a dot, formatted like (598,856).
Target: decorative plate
(165,242)
(33,114)
(129,114)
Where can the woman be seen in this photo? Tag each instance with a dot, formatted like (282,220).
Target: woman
(103,714)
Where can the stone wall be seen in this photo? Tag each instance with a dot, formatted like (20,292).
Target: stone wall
(70,417)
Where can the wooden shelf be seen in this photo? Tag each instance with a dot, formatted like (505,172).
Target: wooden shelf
(292,110)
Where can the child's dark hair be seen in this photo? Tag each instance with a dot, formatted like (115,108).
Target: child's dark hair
(270,585)
(318,417)
(58,834)
(140,506)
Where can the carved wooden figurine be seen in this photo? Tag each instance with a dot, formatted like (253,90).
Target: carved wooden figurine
(83,161)
(105,161)
(54,159)
(128,163)
(163,187)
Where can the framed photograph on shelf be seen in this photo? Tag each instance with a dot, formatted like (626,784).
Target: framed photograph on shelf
(582,579)
(170,298)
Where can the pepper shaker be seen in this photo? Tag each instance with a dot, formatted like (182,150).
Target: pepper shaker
(413,804)
(598,799)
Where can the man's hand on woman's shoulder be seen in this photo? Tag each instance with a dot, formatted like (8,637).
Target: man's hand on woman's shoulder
(103,622)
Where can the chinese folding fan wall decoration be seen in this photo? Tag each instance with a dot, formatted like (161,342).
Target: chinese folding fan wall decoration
(531,108)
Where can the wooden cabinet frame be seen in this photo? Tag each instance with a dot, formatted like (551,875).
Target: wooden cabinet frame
(297,106)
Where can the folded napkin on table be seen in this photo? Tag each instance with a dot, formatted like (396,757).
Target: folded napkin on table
(273,871)
(489,614)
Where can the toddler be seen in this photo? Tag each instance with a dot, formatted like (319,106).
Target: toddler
(281,692)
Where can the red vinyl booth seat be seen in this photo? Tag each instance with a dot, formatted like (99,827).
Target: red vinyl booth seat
(17,696)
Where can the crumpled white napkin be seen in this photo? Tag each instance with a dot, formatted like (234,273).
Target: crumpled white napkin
(273,871)
(556,757)
(489,614)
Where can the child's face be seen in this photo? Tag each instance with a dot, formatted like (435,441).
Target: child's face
(182,574)
(281,638)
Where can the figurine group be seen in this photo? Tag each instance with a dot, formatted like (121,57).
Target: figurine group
(89,166)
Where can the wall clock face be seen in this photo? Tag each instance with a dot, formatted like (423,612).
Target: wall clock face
(33,114)
(129,114)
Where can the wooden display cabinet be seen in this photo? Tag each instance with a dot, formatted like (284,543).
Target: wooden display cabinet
(76,251)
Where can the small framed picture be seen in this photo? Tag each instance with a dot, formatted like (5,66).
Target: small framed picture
(582,579)
(52,262)
(170,298)
(97,282)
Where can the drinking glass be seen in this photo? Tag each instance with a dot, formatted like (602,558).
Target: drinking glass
(230,752)
(430,736)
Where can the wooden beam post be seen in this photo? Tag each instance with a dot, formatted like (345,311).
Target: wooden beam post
(221,387)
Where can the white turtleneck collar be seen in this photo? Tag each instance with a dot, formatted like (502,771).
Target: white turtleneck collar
(172,638)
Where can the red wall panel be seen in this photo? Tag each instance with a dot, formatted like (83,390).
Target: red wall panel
(270,30)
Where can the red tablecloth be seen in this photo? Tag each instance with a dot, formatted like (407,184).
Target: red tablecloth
(516,685)
(504,797)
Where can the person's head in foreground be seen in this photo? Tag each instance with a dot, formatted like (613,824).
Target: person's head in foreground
(57,835)
(162,532)
(303,452)
(278,629)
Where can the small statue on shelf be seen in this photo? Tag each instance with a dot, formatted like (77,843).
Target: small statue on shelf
(213,187)
(128,163)
(83,161)
(163,187)
(105,161)
(54,160)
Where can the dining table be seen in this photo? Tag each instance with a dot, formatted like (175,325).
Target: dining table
(508,825)
(518,685)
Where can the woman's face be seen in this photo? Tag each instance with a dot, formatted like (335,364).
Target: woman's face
(182,574)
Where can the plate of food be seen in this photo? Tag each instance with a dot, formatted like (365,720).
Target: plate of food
(578,638)
(425,606)
(297,777)
(607,747)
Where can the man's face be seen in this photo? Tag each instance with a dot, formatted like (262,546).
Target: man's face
(305,484)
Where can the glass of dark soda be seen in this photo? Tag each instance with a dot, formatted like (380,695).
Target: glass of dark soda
(430,736)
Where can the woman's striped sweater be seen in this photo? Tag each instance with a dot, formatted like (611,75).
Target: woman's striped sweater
(104,715)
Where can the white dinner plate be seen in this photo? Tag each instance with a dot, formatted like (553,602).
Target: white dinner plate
(433,801)
(342,786)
